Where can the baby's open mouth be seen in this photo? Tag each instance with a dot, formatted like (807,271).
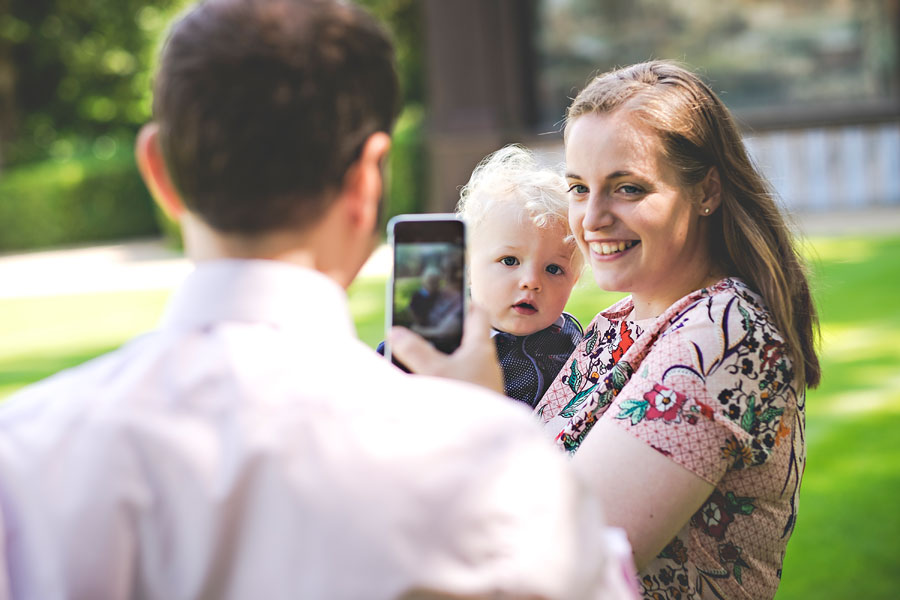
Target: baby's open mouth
(607,248)
(524,308)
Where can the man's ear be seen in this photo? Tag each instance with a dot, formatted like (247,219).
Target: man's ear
(710,192)
(153,169)
(363,182)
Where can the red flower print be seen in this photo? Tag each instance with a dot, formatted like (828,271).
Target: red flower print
(713,517)
(731,555)
(664,403)
(770,354)
(729,552)
(625,342)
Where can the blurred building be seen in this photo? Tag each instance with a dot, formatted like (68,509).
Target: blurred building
(815,83)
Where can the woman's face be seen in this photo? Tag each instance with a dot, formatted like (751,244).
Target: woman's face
(639,228)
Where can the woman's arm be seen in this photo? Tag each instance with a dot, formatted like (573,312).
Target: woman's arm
(645,493)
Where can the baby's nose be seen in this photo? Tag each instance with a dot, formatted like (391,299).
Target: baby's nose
(530,281)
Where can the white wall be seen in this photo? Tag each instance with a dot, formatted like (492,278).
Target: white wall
(835,168)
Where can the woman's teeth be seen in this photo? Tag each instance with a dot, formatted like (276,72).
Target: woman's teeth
(611,247)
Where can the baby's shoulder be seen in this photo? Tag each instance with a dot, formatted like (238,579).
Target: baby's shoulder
(571,325)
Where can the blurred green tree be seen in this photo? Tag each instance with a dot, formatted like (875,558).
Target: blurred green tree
(75,86)
(72,71)
(404,19)
(76,71)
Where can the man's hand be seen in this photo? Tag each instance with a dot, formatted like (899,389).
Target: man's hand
(474,361)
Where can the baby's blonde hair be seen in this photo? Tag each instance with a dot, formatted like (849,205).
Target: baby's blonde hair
(511,175)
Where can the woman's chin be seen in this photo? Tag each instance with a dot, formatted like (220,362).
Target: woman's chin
(610,284)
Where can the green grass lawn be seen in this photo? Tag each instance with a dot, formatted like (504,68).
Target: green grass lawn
(846,541)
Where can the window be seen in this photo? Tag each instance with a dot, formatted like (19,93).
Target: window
(780,62)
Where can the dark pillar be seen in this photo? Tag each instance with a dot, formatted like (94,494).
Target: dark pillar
(480,86)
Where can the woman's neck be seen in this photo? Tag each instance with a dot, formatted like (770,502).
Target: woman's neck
(651,307)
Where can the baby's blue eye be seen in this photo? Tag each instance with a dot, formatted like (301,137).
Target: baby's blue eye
(579,189)
(509,261)
(554,269)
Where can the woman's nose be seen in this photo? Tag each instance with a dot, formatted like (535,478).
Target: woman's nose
(598,214)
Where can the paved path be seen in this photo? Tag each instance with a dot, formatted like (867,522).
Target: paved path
(133,265)
(149,264)
(880,220)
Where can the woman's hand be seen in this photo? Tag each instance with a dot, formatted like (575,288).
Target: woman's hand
(474,361)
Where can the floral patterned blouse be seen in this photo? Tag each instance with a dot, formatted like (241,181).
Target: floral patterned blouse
(709,385)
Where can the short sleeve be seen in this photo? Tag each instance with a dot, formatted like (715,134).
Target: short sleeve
(713,390)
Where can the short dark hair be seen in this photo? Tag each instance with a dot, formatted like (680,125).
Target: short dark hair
(263,105)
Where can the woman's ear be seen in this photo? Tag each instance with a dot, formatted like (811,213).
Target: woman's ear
(710,192)
(363,183)
(153,170)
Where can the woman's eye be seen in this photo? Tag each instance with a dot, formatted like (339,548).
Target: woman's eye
(578,189)
(555,269)
(509,261)
(630,189)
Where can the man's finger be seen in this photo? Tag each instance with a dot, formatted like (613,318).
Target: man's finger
(413,350)
(477,328)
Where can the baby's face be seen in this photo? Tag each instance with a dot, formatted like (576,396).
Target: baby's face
(520,273)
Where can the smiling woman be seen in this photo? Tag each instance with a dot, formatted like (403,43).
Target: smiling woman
(684,404)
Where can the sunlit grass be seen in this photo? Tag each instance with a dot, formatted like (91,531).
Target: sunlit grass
(845,544)
(40,336)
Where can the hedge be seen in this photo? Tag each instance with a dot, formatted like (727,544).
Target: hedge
(81,199)
(89,199)
(408,164)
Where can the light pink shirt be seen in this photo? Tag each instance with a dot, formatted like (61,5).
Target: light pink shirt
(252,447)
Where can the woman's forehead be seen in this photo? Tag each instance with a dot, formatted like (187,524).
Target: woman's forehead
(602,145)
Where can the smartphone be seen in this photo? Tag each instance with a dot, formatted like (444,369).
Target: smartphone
(427,289)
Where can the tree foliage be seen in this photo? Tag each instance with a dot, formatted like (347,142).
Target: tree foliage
(404,19)
(72,71)
(77,70)
(75,86)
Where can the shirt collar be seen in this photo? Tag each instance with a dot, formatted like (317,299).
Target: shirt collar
(258,291)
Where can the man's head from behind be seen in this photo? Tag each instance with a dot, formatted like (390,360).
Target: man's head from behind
(262,106)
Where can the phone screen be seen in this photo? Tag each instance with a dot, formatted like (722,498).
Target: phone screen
(427,292)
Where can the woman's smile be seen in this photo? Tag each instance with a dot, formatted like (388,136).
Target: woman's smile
(612,248)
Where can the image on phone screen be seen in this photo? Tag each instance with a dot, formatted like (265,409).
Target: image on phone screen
(429,291)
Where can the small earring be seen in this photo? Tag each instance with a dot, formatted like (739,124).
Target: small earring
(706,211)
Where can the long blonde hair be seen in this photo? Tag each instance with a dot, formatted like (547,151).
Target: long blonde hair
(750,237)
